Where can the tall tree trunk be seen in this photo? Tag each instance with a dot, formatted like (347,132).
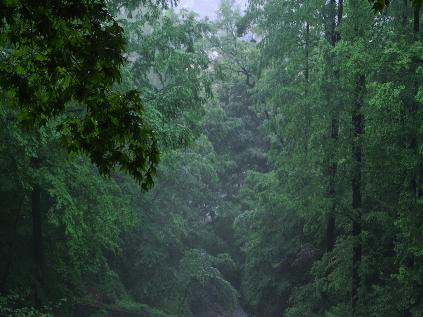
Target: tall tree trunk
(405,13)
(417,14)
(10,251)
(307,53)
(307,119)
(415,178)
(414,143)
(357,122)
(37,237)
(335,18)
(340,11)
(416,19)
(37,227)
(37,241)
(333,166)
(356,185)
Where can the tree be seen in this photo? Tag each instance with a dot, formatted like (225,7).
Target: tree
(60,59)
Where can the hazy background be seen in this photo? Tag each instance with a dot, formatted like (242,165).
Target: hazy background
(206,7)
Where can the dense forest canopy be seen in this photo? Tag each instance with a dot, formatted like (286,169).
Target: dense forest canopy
(263,163)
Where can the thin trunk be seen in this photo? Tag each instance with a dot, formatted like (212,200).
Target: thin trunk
(307,49)
(37,235)
(330,229)
(37,227)
(307,120)
(37,240)
(414,184)
(333,166)
(340,11)
(415,144)
(356,185)
(357,122)
(10,251)
(335,20)
(405,13)
(416,20)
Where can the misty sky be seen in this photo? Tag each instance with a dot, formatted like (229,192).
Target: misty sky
(206,7)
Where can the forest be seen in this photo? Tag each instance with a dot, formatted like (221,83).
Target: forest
(265,162)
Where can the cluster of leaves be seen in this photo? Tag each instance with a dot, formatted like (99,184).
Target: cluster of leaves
(172,78)
(60,59)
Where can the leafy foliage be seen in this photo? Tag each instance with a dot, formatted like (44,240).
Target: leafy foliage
(291,170)
(61,59)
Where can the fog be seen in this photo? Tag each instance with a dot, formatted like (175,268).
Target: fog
(206,8)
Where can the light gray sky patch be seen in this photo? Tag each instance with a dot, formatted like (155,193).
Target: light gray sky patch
(206,7)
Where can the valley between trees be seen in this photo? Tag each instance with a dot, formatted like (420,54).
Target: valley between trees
(265,163)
